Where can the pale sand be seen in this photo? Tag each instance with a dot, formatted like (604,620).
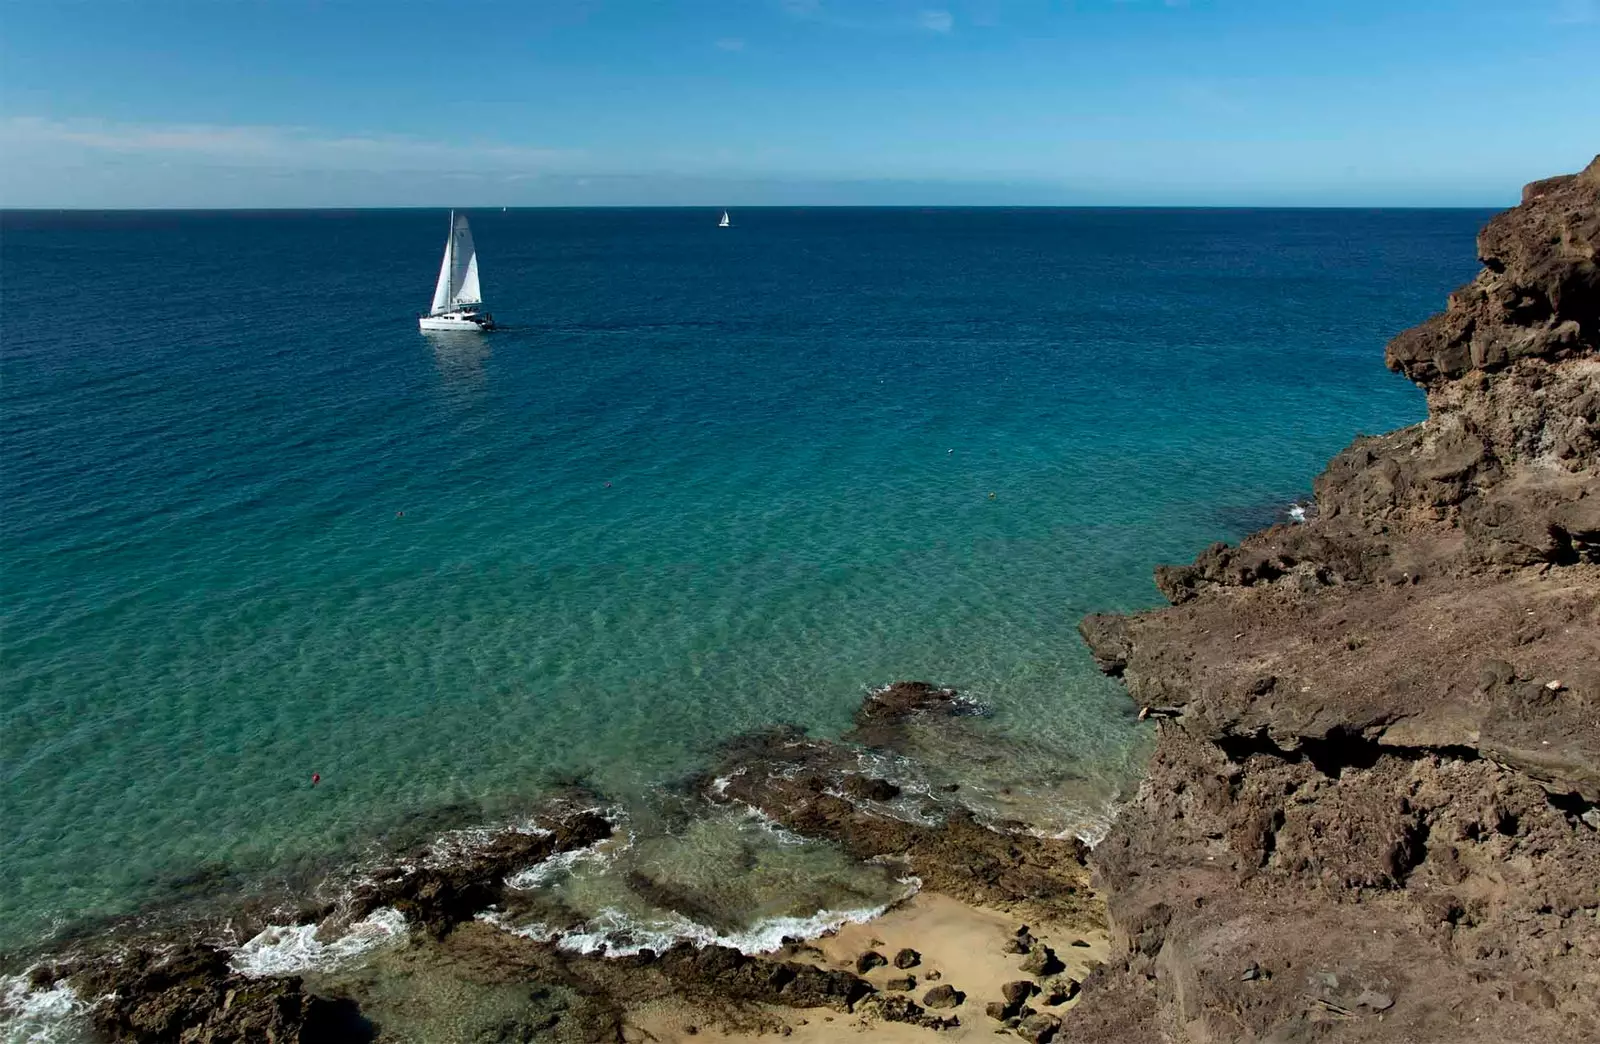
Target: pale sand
(961,943)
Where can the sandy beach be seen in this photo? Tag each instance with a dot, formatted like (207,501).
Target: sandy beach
(958,944)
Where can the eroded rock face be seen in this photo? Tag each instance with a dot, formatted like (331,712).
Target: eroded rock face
(1370,812)
(1538,295)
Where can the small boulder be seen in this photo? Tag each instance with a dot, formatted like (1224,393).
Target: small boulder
(1043,961)
(1017,992)
(870,960)
(944,996)
(1060,991)
(1081,942)
(996,1011)
(904,984)
(1015,946)
(1038,1029)
(907,958)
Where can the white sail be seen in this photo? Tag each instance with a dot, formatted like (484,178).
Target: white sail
(464,287)
(724,222)
(458,272)
(441,289)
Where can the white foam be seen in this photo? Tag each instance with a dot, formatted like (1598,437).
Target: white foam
(617,934)
(30,1016)
(1297,512)
(603,852)
(458,845)
(776,830)
(719,786)
(292,949)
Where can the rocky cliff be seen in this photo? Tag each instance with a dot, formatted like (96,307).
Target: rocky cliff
(1371,812)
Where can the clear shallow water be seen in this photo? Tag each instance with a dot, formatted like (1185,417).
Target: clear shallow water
(209,424)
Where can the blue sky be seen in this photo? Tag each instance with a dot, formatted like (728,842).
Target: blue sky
(747,102)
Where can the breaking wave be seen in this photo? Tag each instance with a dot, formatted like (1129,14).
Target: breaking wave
(40,1016)
(293,949)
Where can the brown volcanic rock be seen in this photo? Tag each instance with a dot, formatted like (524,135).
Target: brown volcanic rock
(800,783)
(1537,296)
(725,974)
(441,893)
(1370,813)
(881,719)
(191,994)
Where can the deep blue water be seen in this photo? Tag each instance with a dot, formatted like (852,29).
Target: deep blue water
(707,480)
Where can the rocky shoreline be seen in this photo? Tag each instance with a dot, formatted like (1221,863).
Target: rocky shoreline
(1371,811)
(1002,923)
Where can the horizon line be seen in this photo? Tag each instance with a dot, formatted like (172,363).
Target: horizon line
(6,209)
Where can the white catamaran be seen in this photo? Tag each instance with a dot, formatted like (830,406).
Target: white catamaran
(724,223)
(457,297)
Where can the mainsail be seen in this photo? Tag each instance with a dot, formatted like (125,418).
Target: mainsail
(458,272)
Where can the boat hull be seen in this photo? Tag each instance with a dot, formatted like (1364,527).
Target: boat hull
(461,322)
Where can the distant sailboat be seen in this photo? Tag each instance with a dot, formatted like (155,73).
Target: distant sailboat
(724,223)
(457,296)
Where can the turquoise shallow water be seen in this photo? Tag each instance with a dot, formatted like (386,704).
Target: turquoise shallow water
(708,480)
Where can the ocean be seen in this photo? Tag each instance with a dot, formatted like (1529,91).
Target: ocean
(257,526)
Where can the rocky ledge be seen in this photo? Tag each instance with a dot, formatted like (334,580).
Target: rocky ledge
(1371,811)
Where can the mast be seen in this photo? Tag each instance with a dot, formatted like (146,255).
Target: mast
(450,254)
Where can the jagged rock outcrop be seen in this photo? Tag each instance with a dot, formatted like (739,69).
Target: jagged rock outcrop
(436,894)
(190,994)
(1371,813)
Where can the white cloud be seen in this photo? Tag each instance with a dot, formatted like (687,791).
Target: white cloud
(936,21)
(41,138)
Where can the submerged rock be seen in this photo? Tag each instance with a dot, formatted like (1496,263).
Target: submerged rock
(883,715)
(795,780)
(439,894)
